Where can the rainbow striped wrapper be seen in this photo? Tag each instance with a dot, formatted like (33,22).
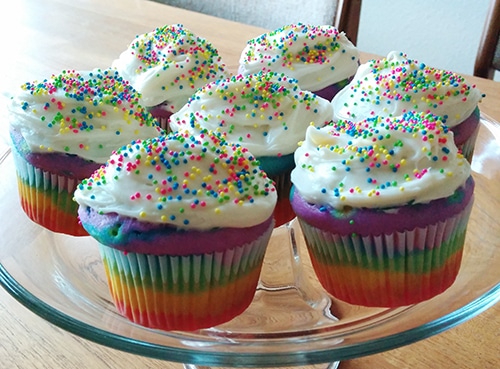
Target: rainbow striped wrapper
(184,292)
(389,270)
(47,198)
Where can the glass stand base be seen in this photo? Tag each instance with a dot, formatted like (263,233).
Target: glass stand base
(288,299)
(334,365)
(289,279)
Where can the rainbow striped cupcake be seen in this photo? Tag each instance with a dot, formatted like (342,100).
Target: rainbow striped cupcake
(384,206)
(186,292)
(183,223)
(63,129)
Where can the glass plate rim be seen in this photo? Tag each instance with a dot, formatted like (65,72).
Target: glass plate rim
(123,343)
(271,359)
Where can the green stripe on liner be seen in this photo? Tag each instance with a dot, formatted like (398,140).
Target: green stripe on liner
(177,274)
(352,251)
(61,198)
(33,179)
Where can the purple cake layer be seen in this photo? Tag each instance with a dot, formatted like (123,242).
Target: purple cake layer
(380,221)
(68,165)
(466,129)
(329,92)
(131,235)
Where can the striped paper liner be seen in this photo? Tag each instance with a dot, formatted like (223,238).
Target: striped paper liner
(389,270)
(184,292)
(47,198)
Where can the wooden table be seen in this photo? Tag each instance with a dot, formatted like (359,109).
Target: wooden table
(43,37)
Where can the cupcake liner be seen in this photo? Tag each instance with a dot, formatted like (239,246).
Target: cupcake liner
(47,198)
(162,115)
(184,292)
(282,184)
(389,270)
(278,169)
(163,122)
(467,147)
(283,212)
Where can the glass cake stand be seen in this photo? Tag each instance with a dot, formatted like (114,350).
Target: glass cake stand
(291,320)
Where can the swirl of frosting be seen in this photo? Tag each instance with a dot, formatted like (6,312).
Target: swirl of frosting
(317,56)
(169,64)
(267,113)
(396,84)
(379,162)
(193,182)
(88,113)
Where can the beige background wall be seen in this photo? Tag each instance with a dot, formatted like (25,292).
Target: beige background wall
(440,33)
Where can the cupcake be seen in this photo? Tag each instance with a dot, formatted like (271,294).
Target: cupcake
(267,113)
(384,205)
(62,129)
(321,58)
(394,85)
(167,65)
(182,223)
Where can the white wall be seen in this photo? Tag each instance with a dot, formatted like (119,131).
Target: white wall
(443,34)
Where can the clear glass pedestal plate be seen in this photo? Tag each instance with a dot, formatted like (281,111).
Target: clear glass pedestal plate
(291,321)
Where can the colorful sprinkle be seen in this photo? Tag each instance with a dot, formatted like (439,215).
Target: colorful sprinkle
(184,176)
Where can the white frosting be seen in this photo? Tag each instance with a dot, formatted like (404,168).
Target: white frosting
(266,113)
(379,163)
(88,113)
(182,180)
(397,84)
(168,64)
(317,56)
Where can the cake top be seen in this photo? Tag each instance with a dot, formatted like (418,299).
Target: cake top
(267,113)
(396,84)
(169,64)
(193,182)
(379,162)
(317,56)
(88,113)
